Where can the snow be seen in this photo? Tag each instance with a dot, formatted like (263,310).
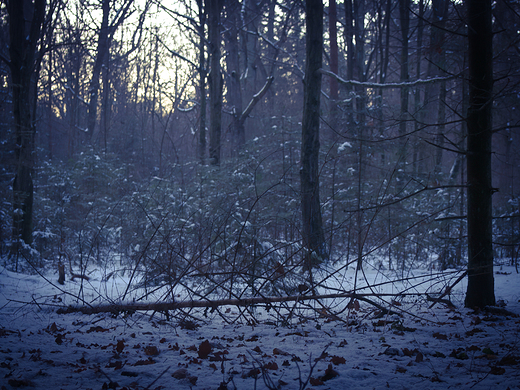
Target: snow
(437,348)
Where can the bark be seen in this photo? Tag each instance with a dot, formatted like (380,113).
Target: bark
(25,26)
(333,33)
(102,54)
(417,95)
(202,82)
(243,302)
(215,82)
(480,291)
(234,90)
(438,63)
(404,13)
(313,235)
(349,38)
(106,33)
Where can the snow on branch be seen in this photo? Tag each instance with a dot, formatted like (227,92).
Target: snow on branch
(244,302)
(406,84)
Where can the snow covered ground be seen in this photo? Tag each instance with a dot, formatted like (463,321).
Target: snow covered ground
(437,348)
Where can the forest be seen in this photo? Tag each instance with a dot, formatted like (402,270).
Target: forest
(249,159)
(188,138)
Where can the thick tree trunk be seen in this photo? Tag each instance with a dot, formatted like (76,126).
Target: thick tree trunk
(313,236)
(25,24)
(480,290)
(215,82)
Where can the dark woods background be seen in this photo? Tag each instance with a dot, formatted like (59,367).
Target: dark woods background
(167,138)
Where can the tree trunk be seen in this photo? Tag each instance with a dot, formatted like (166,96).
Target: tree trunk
(202,82)
(313,236)
(215,82)
(234,90)
(25,25)
(480,290)
(333,34)
(404,13)
(102,53)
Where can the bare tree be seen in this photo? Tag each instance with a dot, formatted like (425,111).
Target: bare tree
(26,21)
(106,34)
(215,81)
(313,235)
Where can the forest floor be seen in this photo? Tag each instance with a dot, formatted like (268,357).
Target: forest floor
(427,348)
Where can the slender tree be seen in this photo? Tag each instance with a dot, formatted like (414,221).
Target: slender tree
(26,19)
(106,34)
(313,235)
(480,291)
(215,81)
(202,80)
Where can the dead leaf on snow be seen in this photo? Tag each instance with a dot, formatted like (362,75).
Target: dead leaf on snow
(338,360)
(181,373)
(495,370)
(278,351)
(440,336)
(316,382)
(204,349)
(151,350)
(120,346)
(144,362)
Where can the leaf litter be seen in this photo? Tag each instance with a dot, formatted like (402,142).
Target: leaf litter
(437,348)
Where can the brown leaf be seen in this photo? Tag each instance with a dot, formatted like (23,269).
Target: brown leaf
(278,351)
(253,373)
(204,349)
(20,382)
(509,360)
(329,374)
(440,336)
(257,349)
(419,357)
(338,360)
(120,346)
(97,329)
(271,366)
(402,370)
(181,373)
(151,350)
(316,382)
(144,362)
(495,370)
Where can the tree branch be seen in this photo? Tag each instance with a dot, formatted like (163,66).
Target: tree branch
(256,98)
(407,84)
(166,306)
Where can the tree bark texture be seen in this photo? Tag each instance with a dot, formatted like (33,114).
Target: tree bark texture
(234,89)
(202,81)
(215,82)
(102,53)
(25,25)
(480,290)
(404,13)
(313,236)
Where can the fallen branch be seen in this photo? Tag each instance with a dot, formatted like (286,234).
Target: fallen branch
(166,306)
